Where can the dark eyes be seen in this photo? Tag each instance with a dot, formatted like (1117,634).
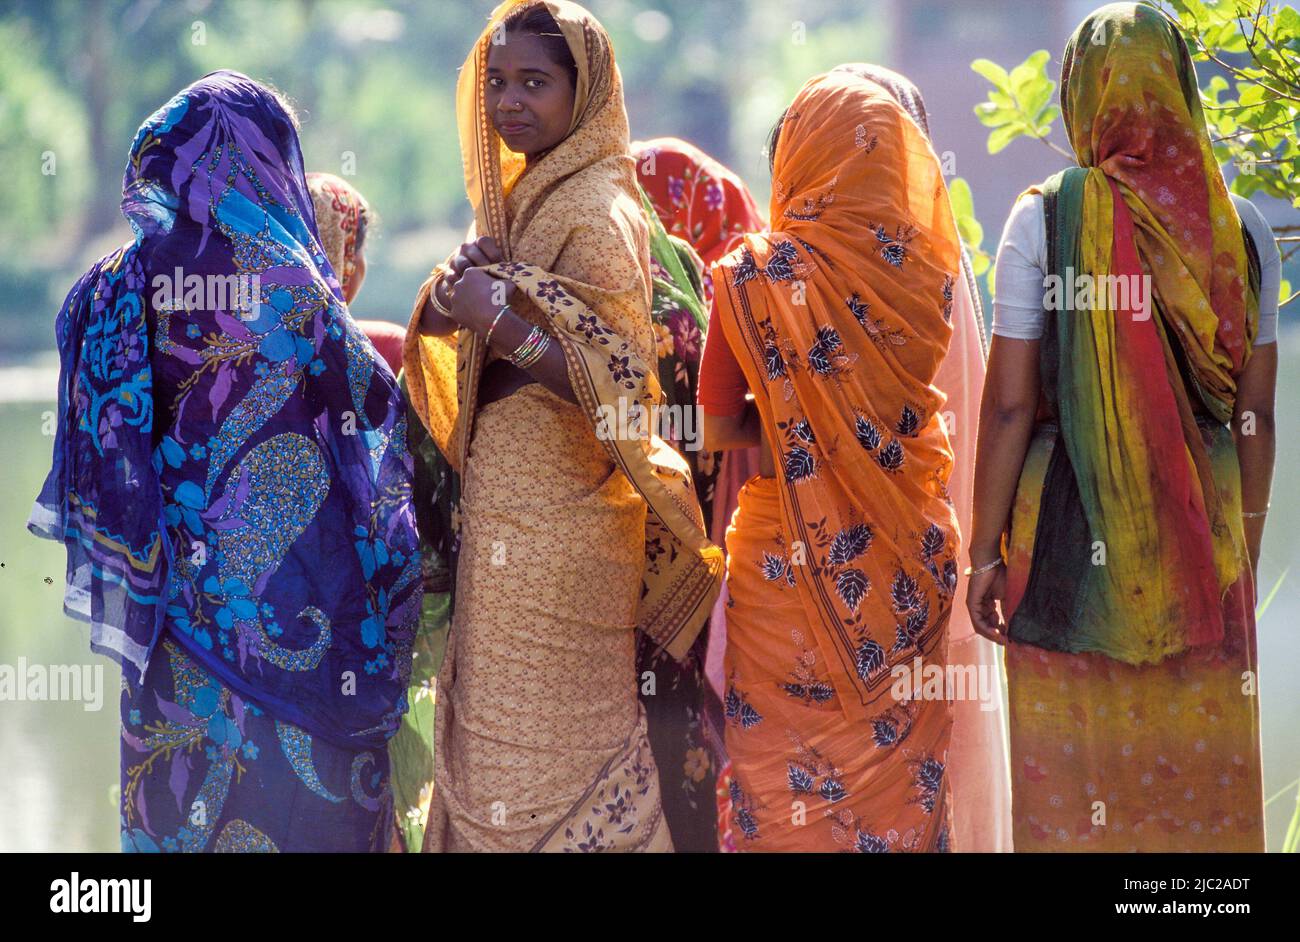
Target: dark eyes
(497,82)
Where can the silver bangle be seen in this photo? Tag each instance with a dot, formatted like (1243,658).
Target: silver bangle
(487,340)
(983,569)
(1255,515)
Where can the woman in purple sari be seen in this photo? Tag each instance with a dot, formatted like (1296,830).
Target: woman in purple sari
(232,483)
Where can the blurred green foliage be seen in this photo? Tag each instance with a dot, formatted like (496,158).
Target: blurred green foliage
(374,82)
(1253,113)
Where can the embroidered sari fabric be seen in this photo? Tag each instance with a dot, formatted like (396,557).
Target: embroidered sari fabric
(204,769)
(1147,201)
(213,445)
(843,566)
(549,751)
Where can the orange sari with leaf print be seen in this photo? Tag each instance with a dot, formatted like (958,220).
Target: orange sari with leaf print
(842,568)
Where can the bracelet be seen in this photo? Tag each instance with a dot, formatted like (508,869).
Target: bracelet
(982,569)
(1255,515)
(433,293)
(531,350)
(487,340)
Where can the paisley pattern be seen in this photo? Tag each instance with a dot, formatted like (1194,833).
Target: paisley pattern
(204,769)
(223,426)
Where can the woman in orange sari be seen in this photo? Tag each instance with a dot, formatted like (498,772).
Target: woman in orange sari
(842,553)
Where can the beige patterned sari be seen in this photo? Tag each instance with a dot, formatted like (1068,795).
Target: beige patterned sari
(571,537)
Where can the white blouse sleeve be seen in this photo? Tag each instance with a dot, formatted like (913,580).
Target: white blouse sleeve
(1270,267)
(1021,268)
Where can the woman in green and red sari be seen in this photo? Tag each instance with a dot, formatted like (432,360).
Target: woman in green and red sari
(1124,464)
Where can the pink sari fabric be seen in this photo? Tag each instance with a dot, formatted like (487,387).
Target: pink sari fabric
(977,754)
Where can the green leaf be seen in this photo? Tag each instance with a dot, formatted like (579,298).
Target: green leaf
(963,210)
(993,72)
(1003,136)
(1263,606)
(992,116)
(1028,72)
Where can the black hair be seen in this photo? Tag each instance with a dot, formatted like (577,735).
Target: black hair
(536,20)
(773,139)
(363,226)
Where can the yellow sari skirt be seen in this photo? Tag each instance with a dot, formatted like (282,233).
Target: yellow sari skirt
(805,778)
(539,741)
(1109,756)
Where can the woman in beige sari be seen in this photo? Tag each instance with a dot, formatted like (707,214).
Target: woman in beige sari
(576,527)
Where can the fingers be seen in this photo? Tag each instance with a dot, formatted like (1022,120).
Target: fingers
(476,255)
(982,603)
(488,247)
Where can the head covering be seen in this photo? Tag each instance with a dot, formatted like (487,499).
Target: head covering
(579,199)
(977,758)
(339,211)
(839,319)
(279,441)
(696,198)
(1147,203)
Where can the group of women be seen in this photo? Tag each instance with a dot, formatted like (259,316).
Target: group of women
(650,636)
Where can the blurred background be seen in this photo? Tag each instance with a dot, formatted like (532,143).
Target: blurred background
(373,82)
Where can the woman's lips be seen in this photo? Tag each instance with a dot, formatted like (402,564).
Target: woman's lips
(512,127)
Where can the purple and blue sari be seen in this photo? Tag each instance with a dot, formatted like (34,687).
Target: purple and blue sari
(232,483)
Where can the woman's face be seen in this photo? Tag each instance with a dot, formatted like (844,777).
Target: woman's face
(529,97)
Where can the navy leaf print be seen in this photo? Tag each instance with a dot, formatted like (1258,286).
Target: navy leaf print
(798,465)
(745,269)
(852,586)
(780,266)
(858,308)
(932,541)
(820,693)
(773,566)
(884,732)
(849,544)
(870,659)
(832,790)
(868,843)
(749,717)
(800,779)
(803,431)
(867,434)
(903,592)
(732,703)
(773,361)
(908,422)
(891,456)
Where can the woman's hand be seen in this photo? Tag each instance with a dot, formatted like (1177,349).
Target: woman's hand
(478,298)
(983,593)
(476,254)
